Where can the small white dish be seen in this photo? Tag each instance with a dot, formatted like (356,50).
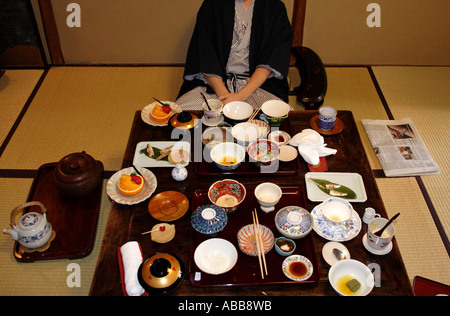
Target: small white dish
(327,252)
(288,153)
(238,111)
(212,124)
(321,227)
(297,259)
(216,256)
(279,137)
(146,192)
(382,252)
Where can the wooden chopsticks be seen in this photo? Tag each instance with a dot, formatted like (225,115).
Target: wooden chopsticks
(259,244)
(255,112)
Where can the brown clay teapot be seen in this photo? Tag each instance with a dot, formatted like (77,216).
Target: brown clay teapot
(78,174)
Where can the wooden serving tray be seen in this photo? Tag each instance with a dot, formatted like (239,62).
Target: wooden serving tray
(74,220)
(247,271)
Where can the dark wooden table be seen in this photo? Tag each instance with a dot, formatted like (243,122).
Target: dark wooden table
(126,223)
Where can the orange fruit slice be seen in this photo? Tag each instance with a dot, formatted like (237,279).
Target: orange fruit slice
(159,115)
(128,187)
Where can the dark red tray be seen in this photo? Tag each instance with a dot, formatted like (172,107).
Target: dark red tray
(74,220)
(247,167)
(247,271)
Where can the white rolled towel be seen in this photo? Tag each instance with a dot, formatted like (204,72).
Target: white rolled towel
(132,259)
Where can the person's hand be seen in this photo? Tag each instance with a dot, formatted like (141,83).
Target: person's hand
(231,97)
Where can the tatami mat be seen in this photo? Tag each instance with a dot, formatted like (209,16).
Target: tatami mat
(16,87)
(86,109)
(422,249)
(422,93)
(41,277)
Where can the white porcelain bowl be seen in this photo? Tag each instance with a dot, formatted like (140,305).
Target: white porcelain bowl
(275,108)
(246,133)
(216,256)
(268,195)
(225,152)
(238,111)
(350,268)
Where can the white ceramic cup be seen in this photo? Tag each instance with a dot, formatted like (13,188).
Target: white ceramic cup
(379,243)
(327,118)
(214,115)
(268,195)
(369,214)
(337,212)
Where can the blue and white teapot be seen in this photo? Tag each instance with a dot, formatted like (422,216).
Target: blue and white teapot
(32,230)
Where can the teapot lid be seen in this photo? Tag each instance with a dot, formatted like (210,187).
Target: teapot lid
(76,167)
(30,221)
(161,273)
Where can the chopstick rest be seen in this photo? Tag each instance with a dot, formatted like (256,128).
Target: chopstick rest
(130,258)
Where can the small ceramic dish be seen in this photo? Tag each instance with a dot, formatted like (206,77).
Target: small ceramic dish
(294,222)
(284,246)
(279,137)
(297,268)
(227,194)
(216,256)
(264,127)
(288,153)
(209,219)
(247,241)
(147,117)
(327,252)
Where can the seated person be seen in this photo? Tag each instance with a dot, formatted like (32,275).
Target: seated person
(240,51)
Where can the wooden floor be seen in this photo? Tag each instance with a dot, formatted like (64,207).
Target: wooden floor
(45,115)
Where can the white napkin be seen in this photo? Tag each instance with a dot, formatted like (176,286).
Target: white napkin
(132,259)
(311,146)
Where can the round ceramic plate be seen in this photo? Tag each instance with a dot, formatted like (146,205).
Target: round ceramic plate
(327,252)
(335,234)
(168,206)
(288,153)
(297,259)
(147,118)
(146,192)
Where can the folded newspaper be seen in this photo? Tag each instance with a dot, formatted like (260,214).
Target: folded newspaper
(399,148)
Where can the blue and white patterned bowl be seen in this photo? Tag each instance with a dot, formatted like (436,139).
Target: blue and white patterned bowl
(209,219)
(294,222)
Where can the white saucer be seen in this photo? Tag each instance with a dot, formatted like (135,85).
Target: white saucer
(212,124)
(327,252)
(382,252)
(332,233)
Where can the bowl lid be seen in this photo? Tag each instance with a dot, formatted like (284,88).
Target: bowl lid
(294,220)
(76,167)
(161,273)
(209,219)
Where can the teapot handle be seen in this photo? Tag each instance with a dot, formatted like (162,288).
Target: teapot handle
(23,206)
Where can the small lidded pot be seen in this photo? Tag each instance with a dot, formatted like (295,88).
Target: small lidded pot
(78,174)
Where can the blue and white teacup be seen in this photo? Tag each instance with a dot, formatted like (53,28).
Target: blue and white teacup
(327,118)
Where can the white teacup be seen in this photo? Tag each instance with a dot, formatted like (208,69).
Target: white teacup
(369,214)
(337,212)
(379,243)
(215,114)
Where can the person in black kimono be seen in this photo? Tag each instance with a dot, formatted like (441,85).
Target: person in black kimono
(240,51)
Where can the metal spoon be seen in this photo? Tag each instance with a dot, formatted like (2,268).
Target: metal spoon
(339,254)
